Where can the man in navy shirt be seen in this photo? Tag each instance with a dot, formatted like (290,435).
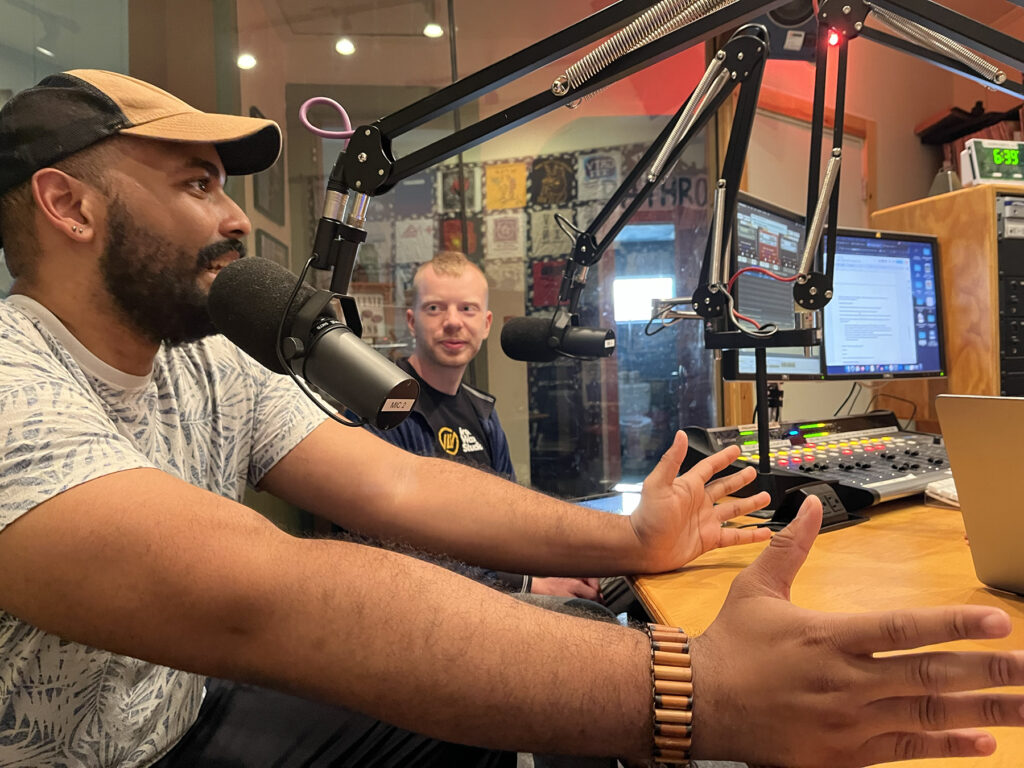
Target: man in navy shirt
(449,321)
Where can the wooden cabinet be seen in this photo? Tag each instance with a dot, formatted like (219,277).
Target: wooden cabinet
(965,224)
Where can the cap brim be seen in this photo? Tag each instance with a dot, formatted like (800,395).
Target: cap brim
(245,144)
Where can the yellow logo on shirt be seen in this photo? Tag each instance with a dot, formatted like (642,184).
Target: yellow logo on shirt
(449,440)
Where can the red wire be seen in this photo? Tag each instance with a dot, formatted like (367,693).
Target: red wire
(750,320)
(762,271)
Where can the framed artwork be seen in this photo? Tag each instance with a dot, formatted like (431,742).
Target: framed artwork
(268,186)
(269,247)
(374,303)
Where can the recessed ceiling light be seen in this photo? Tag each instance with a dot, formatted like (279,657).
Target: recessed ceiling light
(345,47)
(45,52)
(433,30)
(246,61)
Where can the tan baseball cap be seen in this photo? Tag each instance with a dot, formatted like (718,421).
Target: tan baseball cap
(67,112)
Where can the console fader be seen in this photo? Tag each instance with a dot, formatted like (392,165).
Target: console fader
(868,458)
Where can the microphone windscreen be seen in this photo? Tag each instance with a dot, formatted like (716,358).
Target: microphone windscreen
(246,301)
(526,339)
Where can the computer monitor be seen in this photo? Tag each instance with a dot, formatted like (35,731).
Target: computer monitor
(768,236)
(885,318)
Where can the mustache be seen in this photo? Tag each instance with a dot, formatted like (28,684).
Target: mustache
(208,253)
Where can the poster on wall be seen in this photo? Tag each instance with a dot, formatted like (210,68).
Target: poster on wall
(414,196)
(505,274)
(269,247)
(505,249)
(546,237)
(553,180)
(506,235)
(415,240)
(598,174)
(404,274)
(376,253)
(458,184)
(546,279)
(505,185)
(268,186)
(371,301)
(462,235)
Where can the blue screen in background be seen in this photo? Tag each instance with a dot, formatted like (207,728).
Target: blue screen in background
(771,240)
(619,503)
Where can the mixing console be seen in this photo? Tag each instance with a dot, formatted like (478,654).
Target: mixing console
(867,458)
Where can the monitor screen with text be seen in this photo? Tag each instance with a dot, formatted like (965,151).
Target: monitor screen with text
(885,317)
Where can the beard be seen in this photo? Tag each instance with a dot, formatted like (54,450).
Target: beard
(154,283)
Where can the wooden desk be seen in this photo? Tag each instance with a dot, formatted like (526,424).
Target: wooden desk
(906,555)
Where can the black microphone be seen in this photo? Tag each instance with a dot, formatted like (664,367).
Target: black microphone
(246,302)
(542,339)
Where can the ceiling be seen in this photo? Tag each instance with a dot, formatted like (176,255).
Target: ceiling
(388,33)
(358,17)
(530,18)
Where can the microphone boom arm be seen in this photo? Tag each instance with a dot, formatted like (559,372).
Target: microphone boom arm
(367,166)
(740,63)
(931,32)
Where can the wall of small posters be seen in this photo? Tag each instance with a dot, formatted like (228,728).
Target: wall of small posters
(502,214)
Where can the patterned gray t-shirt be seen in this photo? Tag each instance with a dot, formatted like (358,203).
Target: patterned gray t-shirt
(207,414)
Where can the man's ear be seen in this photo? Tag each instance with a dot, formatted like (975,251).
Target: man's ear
(409,322)
(62,202)
(487,326)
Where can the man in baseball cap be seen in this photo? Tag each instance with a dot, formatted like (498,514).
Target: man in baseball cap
(71,134)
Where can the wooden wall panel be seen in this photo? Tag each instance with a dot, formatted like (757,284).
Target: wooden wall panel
(965,224)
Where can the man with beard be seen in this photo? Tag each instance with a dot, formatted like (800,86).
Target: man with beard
(129,570)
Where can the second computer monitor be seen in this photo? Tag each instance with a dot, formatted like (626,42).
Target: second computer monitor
(771,238)
(885,318)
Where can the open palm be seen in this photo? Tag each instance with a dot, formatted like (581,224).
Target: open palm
(678,518)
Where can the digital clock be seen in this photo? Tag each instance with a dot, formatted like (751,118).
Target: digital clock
(988,161)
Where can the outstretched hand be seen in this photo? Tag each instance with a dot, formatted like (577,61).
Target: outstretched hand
(678,518)
(780,685)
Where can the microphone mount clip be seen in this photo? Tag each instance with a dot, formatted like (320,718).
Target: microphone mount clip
(316,310)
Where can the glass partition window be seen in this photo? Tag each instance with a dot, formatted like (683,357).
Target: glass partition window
(574,427)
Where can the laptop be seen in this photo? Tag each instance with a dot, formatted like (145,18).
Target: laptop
(983,437)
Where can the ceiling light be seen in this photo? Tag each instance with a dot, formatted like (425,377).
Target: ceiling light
(246,61)
(45,52)
(345,47)
(433,30)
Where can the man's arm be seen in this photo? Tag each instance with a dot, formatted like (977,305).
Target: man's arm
(145,565)
(367,485)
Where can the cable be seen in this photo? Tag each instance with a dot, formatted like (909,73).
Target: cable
(565,225)
(901,399)
(284,363)
(856,397)
(763,331)
(768,329)
(661,316)
(763,271)
(848,395)
(321,132)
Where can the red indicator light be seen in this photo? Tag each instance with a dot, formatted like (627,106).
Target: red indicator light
(833,37)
